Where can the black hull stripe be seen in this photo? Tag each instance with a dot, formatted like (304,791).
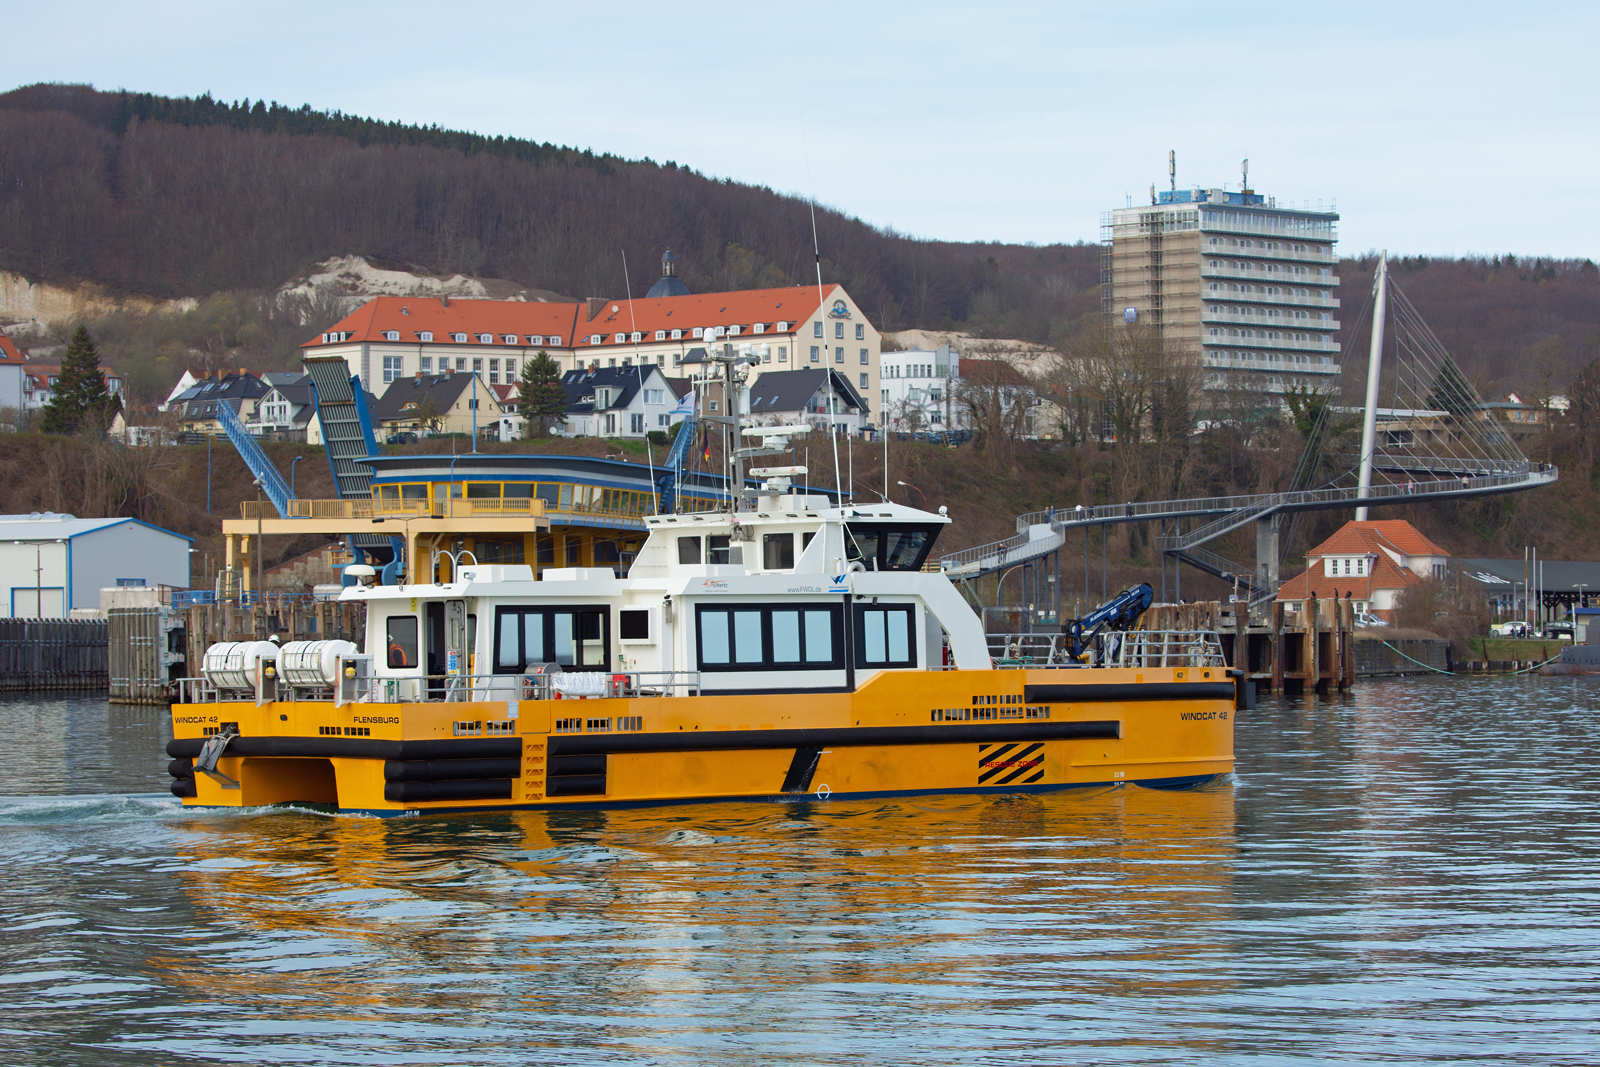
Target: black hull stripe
(850,736)
(451,770)
(1094,694)
(356,748)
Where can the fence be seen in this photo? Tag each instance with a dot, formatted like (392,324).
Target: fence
(52,654)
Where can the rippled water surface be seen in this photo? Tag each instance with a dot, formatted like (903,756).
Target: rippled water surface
(1408,875)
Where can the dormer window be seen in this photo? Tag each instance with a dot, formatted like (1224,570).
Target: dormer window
(619,338)
(511,338)
(733,331)
(636,336)
(535,339)
(556,341)
(425,335)
(698,333)
(782,327)
(677,335)
(661,335)
(486,338)
(459,338)
(391,335)
(594,338)
(759,327)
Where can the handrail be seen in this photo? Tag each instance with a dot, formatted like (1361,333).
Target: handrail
(982,559)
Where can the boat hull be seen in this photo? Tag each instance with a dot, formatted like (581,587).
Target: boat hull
(902,733)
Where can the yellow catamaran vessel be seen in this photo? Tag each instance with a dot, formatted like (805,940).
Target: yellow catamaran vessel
(784,647)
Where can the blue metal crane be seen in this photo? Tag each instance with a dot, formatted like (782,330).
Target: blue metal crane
(1121,612)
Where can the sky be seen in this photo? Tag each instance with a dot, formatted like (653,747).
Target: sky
(1436,129)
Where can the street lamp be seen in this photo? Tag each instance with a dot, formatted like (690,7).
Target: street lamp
(292,462)
(920,493)
(1580,587)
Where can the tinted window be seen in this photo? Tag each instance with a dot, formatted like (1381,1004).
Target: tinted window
(751,637)
(777,551)
(884,636)
(527,637)
(401,647)
(717,548)
(689,550)
(633,624)
(890,546)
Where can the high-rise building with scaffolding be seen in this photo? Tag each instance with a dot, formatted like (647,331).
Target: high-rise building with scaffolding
(1241,285)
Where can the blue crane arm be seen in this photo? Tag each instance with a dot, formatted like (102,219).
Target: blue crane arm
(1121,612)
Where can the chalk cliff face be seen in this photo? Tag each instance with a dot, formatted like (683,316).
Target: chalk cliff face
(25,301)
(351,277)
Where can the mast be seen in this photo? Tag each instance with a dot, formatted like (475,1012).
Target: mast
(1369,419)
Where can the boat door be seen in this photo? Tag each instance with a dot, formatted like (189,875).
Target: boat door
(447,647)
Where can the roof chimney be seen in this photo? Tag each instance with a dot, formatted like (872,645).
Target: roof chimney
(596,305)
(445,300)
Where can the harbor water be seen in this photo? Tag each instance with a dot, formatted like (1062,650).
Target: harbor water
(1409,874)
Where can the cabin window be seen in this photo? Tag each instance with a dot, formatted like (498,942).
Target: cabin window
(483,490)
(889,546)
(777,551)
(546,551)
(527,638)
(753,637)
(497,551)
(518,490)
(883,637)
(550,493)
(689,550)
(401,644)
(717,549)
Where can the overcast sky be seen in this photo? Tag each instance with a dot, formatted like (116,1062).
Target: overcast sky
(1441,129)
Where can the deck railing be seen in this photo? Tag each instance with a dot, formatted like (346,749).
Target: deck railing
(1134,648)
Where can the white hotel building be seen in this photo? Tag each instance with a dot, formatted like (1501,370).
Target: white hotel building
(1245,286)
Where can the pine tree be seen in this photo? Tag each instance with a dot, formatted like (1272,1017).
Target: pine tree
(79,399)
(540,398)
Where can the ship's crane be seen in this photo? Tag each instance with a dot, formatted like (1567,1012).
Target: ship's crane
(1121,612)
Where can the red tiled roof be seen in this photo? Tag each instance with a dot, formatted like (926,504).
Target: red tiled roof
(8,351)
(1386,574)
(411,316)
(1354,538)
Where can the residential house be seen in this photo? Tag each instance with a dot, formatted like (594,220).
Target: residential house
(187,381)
(436,404)
(41,378)
(618,401)
(1374,562)
(821,398)
(286,410)
(197,406)
(13,375)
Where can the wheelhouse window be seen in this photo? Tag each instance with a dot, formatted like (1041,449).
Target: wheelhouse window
(718,549)
(576,638)
(889,546)
(689,550)
(777,551)
(400,643)
(751,637)
(884,636)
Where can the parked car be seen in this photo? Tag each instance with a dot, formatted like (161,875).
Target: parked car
(1558,631)
(1366,620)
(403,437)
(1510,629)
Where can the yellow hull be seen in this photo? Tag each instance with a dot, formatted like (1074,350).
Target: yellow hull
(903,732)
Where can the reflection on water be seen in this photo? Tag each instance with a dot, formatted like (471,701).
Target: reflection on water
(1402,875)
